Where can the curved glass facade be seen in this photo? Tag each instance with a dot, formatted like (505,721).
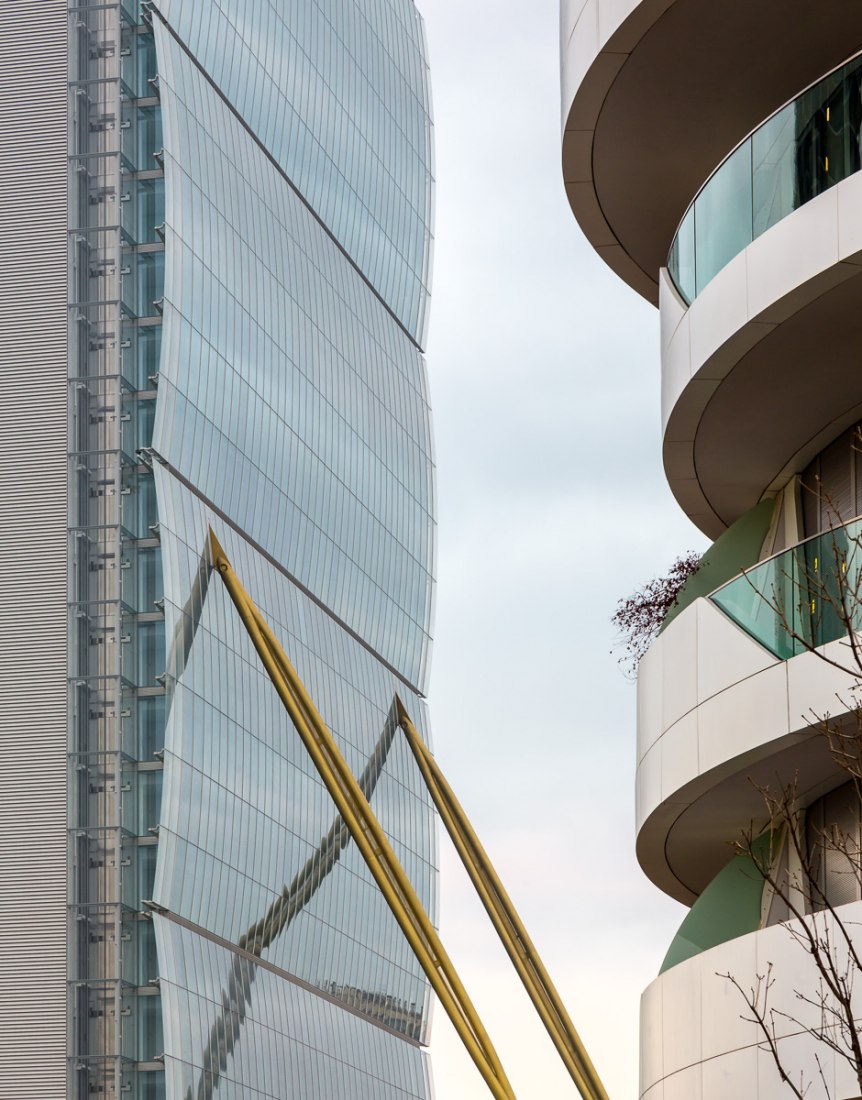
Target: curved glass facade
(337,94)
(275,1033)
(287,395)
(276,227)
(243,809)
(802,150)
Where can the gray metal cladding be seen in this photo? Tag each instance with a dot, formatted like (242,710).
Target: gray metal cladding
(33,555)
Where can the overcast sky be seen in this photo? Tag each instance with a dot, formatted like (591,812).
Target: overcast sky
(552,505)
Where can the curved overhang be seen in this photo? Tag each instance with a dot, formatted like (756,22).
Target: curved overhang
(698,1041)
(760,372)
(685,842)
(655,94)
(718,717)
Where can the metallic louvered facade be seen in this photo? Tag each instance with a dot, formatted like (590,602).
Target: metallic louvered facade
(33,382)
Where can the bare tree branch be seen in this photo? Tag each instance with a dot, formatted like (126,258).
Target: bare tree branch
(639,618)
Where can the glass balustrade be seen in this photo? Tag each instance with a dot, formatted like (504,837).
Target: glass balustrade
(806,596)
(802,150)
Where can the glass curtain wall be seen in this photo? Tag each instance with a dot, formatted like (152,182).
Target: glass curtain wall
(249,282)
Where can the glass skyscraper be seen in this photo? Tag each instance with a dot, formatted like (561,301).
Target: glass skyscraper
(215,248)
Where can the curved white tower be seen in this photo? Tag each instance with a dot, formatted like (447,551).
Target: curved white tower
(711,154)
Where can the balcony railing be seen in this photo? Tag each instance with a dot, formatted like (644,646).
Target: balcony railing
(803,597)
(805,148)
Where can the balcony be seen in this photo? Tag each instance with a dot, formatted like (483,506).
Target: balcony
(727,694)
(799,152)
(654,94)
(802,598)
(757,374)
(695,1041)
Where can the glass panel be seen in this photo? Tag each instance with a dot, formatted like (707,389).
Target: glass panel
(774,169)
(149,343)
(151,209)
(149,134)
(146,870)
(820,585)
(145,68)
(150,1039)
(681,262)
(752,601)
(149,800)
(148,657)
(818,137)
(151,1086)
(151,725)
(793,601)
(139,507)
(797,154)
(151,281)
(853,116)
(722,214)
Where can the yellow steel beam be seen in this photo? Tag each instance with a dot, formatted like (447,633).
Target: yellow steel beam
(224,1033)
(305,884)
(505,919)
(367,833)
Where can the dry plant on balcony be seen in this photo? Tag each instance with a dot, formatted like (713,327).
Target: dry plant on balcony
(638,618)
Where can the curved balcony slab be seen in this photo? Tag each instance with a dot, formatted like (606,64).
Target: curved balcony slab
(656,93)
(759,373)
(716,713)
(695,1045)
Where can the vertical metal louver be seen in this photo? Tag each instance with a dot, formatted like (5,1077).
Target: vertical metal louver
(33,388)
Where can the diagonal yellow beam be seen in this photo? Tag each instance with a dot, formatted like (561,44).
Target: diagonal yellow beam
(367,833)
(306,883)
(505,919)
(225,1031)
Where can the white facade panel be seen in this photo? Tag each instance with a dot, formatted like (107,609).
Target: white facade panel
(728,696)
(679,674)
(697,1042)
(33,551)
(725,653)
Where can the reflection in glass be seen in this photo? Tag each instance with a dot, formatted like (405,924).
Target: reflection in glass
(289,1033)
(722,216)
(236,996)
(797,154)
(292,414)
(243,810)
(287,394)
(792,601)
(775,191)
(345,113)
